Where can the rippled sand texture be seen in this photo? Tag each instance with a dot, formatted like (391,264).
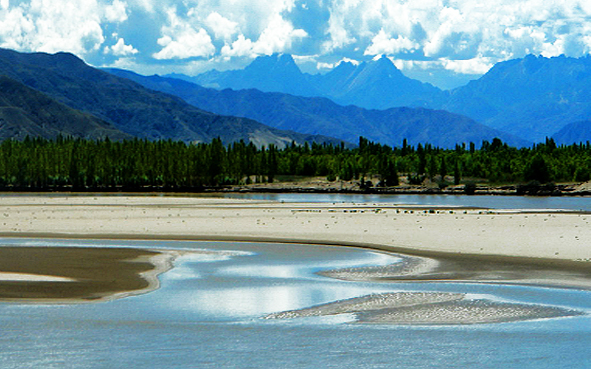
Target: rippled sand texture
(458,268)
(420,308)
(78,274)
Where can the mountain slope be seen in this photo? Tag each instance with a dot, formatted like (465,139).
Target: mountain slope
(576,132)
(129,106)
(322,116)
(376,84)
(277,72)
(533,97)
(24,111)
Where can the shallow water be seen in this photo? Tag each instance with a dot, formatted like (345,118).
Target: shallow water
(484,201)
(208,314)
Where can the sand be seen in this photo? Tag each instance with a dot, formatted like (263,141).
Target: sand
(428,308)
(79,274)
(534,247)
(545,236)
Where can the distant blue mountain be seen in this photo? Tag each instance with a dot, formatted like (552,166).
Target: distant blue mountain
(324,117)
(376,85)
(533,97)
(577,132)
(373,85)
(275,73)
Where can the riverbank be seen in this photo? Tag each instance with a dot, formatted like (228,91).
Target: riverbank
(554,237)
(321,185)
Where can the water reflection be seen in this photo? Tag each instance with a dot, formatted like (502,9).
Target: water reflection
(208,315)
(484,201)
(260,284)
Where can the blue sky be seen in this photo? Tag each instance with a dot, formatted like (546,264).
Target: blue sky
(445,42)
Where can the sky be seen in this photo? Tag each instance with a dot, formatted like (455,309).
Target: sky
(444,42)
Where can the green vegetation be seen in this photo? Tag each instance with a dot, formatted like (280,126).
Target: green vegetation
(76,164)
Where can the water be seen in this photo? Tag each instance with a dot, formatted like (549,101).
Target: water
(207,314)
(484,201)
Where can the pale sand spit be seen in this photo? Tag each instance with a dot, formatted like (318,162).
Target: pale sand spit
(554,236)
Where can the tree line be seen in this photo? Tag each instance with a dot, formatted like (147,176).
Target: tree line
(76,164)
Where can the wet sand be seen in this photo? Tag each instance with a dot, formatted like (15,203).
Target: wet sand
(463,244)
(78,274)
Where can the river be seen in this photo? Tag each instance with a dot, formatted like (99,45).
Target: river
(210,313)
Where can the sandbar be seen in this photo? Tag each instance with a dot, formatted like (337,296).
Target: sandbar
(78,274)
(458,236)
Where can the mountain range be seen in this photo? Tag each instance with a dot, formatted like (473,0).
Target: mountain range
(532,98)
(126,108)
(372,85)
(324,117)
(520,101)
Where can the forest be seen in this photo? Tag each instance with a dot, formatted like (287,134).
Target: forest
(70,164)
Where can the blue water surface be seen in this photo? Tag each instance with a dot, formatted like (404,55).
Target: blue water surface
(208,314)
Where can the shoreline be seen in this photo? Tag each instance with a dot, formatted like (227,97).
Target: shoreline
(582,265)
(554,235)
(67,274)
(547,239)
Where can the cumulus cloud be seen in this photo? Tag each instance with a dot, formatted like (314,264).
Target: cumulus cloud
(383,44)
(181,40)
(277,37)
(121,49)
(223,28)
(51,26)
(464,36)
(116,12)
(239,48)
(475,66)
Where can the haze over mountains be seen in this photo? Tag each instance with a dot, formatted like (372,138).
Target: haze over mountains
(117,106)
(324,117)
(372,85)
(533,97)
(520,101)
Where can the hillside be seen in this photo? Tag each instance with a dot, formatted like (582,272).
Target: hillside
(324,117)
(533,97)
(27,112)
(577,132)
(130,107)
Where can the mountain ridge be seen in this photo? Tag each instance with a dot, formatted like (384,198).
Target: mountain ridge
(533,96)
(132,108)
(322,115)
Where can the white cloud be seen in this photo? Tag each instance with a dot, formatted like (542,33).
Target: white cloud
(116,12)
(465,36)
(277,37)
(239,48)
(222,27)
(121,49)
(51,26)
(383,44)
(473,66)
(181,41)
(147,5)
